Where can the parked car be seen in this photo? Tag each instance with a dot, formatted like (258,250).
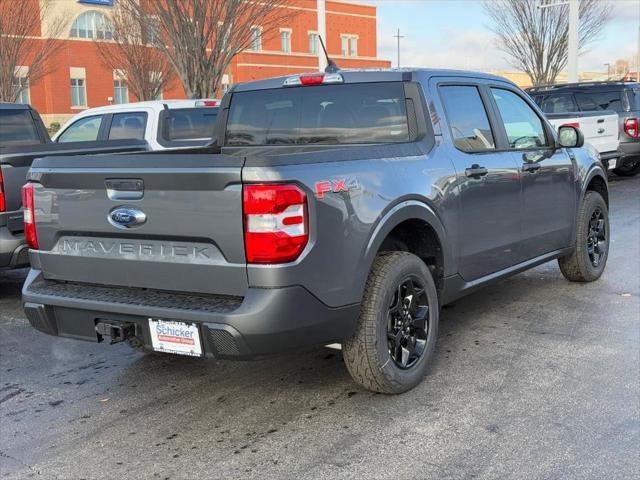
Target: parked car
(161,123)
(600,130)
(24,137)
(621,97)
(340,207)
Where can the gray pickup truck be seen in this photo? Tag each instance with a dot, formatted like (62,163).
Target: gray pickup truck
(23,137)
(340,207)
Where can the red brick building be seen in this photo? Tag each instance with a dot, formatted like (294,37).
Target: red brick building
(78,80)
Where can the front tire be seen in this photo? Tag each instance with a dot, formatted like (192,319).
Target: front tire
(589,257)
(398,325)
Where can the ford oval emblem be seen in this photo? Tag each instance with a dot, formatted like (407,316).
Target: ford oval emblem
(126,217)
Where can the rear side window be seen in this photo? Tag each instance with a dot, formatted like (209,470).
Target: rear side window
(17,128)
(634,99)
(590,101)
(327,114)
(559,104)
(468,118)
(191,123)
(129,126)
(84,130)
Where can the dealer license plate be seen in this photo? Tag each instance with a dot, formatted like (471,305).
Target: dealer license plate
(175,337)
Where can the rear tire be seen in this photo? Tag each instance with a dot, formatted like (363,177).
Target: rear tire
(589,257)
(398,325)
(629,168)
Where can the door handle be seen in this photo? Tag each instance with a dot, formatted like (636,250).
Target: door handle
(476,171)
(531,167)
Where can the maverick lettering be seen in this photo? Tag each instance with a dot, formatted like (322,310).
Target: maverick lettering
(113,247)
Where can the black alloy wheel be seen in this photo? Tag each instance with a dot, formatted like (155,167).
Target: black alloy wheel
(597,237)
(407,327)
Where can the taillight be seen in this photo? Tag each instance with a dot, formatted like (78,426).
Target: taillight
(313,79)
(631,127)
(207,103)
(276,227)
(29,216)
(3,202)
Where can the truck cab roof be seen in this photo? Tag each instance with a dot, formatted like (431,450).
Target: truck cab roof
(373,75)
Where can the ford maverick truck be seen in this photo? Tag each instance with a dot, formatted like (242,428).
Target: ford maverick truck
(333,207)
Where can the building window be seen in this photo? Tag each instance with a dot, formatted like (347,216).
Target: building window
(313,43)
(92,25)
(349,45)
(21,84)
(285,41)
(120,91)
(256,38)
(151,32)
(78,92)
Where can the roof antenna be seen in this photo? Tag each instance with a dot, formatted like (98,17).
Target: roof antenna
(331,65)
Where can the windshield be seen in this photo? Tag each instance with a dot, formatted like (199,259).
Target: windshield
(327,114)
(17,128)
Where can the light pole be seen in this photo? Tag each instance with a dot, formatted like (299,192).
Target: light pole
(608,65)
(398,36)
(574,24)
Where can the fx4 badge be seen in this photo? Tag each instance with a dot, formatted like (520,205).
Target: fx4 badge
(336,186)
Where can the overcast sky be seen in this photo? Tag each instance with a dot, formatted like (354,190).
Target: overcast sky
(455,34)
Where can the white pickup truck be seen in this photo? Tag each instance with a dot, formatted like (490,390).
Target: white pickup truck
(600,129)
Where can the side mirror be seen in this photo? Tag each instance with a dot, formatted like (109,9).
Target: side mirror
(570,137)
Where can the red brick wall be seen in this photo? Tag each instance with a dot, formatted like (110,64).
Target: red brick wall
(52,95)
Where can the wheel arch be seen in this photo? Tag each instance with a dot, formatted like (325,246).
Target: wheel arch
(429,241)
(596,181)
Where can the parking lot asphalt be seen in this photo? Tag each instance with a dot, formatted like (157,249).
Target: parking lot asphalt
(532,378)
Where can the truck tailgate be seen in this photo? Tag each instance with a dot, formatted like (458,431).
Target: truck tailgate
(191,236)
(600,129)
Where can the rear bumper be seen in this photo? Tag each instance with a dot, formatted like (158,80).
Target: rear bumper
(630,149)
(265,321)
(13,250)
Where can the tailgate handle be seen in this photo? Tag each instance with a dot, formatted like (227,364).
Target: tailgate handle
(601,120)
(124,188)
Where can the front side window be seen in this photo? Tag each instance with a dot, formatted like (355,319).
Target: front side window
(285,41)
(591,101)
(328,115)
(523,126)
(78,92)
(256,38)
(120,91)
(21,85)
(468,118)
(559,104)
(84,130)
(128,126)
(92,25)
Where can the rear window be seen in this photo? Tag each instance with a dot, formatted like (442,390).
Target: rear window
(191,123)
(593,101)
(327,114)
(634,98)
(17,128)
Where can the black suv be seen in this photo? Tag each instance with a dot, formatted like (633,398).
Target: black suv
(622,97)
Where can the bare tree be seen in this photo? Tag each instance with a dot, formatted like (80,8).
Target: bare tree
(148,71)
(201,37)
(536,39)
(22,43)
